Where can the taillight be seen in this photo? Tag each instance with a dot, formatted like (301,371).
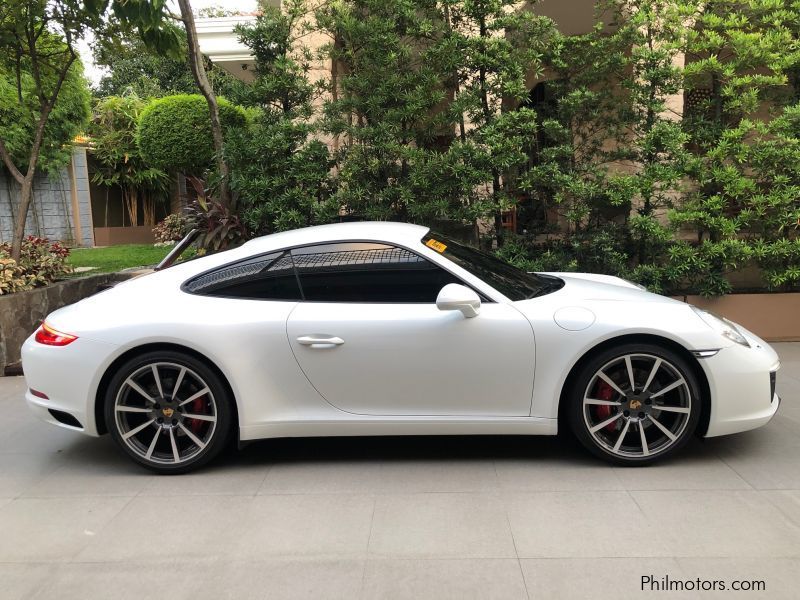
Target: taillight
(50,337)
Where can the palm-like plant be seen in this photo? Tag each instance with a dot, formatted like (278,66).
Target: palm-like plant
(113,131)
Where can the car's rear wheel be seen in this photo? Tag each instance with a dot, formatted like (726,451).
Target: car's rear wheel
(634,404)
(168,411)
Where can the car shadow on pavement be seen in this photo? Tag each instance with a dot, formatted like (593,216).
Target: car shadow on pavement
(100,453)
(553,450)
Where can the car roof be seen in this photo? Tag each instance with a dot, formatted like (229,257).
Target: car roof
(398,233)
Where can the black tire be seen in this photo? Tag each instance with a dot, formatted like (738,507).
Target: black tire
(154,430)
(627,427)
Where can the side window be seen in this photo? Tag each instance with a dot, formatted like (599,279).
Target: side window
(367,272)
(268,277)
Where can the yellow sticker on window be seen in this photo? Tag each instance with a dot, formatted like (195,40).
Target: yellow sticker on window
(438,246)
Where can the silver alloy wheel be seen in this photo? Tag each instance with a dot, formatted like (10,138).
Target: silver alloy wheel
(637,405)
(165,412)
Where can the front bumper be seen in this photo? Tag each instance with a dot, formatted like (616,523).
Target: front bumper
(741,381)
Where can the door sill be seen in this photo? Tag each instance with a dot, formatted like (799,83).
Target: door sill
(370,425)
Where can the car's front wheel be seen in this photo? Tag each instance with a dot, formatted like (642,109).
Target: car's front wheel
(168,411)
(634,404)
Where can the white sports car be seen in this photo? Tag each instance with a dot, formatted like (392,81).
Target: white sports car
(389,329)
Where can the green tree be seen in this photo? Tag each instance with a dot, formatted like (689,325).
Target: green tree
(278,170)
(39,37)
(132,68)
(567,186)
(610,152)
(19,117)
(197,66)
(383,101)
(39,62)
(490,51)
(417,106)
(651,142)
(120,162)
(154,23)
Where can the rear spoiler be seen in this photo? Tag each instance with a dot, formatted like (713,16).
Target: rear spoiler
(177,250)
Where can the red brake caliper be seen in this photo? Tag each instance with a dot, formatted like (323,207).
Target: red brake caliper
(604,392)
(197,408)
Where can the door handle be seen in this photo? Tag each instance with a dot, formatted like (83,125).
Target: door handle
(320,341)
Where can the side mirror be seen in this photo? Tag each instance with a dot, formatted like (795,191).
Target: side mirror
(458,297)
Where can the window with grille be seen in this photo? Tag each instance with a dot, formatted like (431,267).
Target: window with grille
(368,273)
(268,277)
(340,272)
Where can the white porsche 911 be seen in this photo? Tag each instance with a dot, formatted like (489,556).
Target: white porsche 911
(389,329)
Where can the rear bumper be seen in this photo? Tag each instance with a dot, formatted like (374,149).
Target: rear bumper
(68,376)
(42,408)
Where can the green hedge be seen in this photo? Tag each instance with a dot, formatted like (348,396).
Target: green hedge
(174,132)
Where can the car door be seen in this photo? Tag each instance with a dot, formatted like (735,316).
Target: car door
(370,339)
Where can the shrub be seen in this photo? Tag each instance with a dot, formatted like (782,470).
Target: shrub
(171,229)
(604,250)
(174,132)
(12,277)
(282,177)
(219,225)
(41,262)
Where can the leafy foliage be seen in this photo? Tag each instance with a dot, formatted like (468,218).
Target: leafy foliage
(219,224)
(612,153)
(174,132)
(661,146)
(149,19)
(746,208)
(20,110)
(288,185)
(171,229)
(41,262)
(493,49)
(382,113)
(120,162)
(134,69)
(744,205)
(12,276)
(412,74)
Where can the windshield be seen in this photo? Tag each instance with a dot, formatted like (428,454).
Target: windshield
(507,279)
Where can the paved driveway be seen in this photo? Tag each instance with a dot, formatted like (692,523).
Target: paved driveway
(397,518)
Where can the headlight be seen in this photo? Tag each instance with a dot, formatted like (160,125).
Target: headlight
(722,326)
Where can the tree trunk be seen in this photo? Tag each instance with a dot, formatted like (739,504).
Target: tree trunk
(498,214)
(488,118)
(201,78)
(26,194)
